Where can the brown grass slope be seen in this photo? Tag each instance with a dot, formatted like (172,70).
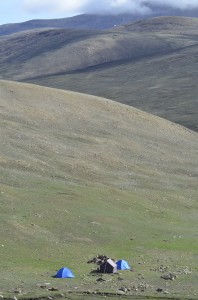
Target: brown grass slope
(63,134)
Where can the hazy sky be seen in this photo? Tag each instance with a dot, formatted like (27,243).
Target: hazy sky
(12,11)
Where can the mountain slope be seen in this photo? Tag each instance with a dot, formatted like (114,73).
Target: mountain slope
(151,64)
(84,21)
(50,51)
(164,85)
(82,175)
(93,21)
(46,52)
(160,80)
(96,122)
(167,24)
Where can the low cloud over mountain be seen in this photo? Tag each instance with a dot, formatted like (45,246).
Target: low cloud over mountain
(107,6)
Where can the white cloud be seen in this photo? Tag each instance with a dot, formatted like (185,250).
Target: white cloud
(117,6)
(56,6)
(102,6)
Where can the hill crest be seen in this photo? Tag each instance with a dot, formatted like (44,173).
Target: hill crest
(170,24)
(117,137)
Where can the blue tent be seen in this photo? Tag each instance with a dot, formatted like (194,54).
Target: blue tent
(64,273)
(122,265)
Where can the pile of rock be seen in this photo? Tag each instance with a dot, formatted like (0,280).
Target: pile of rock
(99,259)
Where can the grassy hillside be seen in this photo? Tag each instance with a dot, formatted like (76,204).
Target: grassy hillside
(82,175)
(167,24)
(164,85)
(150,64)
(162,82)
(46,52)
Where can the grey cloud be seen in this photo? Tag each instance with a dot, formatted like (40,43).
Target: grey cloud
(108,6)
(137,6)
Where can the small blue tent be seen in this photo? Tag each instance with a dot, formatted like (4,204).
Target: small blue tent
(64,273)
(122,265)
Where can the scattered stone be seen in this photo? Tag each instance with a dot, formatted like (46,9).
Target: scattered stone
(161,269)
(166,292)
(169,276)
(17,291)
(186,271)
(120,278)
(183,271)
(140,276)
(43,286)
(143,286)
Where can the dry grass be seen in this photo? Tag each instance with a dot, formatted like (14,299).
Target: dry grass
(44,128)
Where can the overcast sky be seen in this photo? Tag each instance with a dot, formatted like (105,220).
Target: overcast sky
(12,11)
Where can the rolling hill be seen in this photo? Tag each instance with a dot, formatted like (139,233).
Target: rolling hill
(150,64)
(82,175)
(43,52)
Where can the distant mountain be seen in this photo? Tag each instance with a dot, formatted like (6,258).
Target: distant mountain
(44,52)
(93,21)
(77,22)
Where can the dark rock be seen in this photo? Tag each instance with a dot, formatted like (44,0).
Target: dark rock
(100,279)
(124,289)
